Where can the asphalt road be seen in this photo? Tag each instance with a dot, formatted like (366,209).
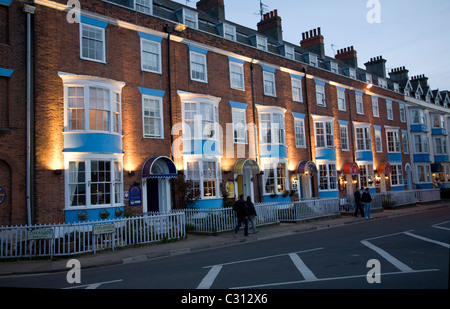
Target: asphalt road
(402,252)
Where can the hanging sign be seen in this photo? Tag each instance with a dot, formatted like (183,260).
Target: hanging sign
(135,195)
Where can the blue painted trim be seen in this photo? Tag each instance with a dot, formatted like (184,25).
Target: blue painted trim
(201,147)
(441,159)
(364,155)
(424,186)
(421,158)
(238,105)
(325,194)
(279,199)
(71,216)
(93,22)
(398,188)
(5,2)
(298,115)
(296,76)
(268,69)
(198,50)
(209,204)
(343,122)
(438,131)
(6,72)
(404,131)
(418,128)
(358,93)
(150,37)
(377,127)
(394,157)
(92,143)
(326,154)
(236,60)
(273,151)
(152,92)
(340,88)
(319,82)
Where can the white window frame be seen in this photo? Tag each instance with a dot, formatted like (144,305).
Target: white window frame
(440,142)
(229,32)
(425,170)
(397,175)
(342,106)
(115,183)
(366,175)
(296,85)
(199,177)
(325,139)
(320,95)
(420,140)
(190,18)
(203,63)
(359,104)
(289,52)
(420,115)
(103,52)
(366,138)
(393,141)
(343,130)
(402,112)
(327,178)
(389,110)
(405,142)
(378,141)
(375,107)
(269,84)
(147,8)
(279,177)
(242,127)
(239,70)
(261,42)
(158,55)
(299,131)
(160,118)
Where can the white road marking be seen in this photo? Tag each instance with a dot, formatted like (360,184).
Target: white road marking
(210,277)
(92,286)
(302,268)
(328,279)
(440,227)
(388,257)
(443,244)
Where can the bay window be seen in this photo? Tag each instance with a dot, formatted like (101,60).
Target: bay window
(397,175)
(204,175)
(275,177)
(366,175)
(327,176)
(272,128)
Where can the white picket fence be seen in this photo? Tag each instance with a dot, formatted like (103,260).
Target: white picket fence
(70,239)
(223,219)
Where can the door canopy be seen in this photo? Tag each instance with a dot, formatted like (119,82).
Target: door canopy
(385,168)
(159,167)
(350,168)
(306,166)
(245,165)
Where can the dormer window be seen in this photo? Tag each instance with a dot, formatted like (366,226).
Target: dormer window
(190,18)
(261,42)
(312,60)
(229,32)
(369,78)
(396,87)
(289,52)
(382,83)
(350,72)
(144,6)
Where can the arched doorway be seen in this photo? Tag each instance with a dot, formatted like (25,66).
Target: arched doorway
(245,172)
(306,171)
(156,174)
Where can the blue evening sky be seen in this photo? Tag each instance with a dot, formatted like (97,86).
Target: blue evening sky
(411,33)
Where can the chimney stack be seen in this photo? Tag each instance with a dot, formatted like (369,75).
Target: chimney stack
(399,74)
(422,79)
(271,25)
(314,42)
(348,55)
(377,65)
(215,8)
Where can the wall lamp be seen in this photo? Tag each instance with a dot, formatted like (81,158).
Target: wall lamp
(369,86)
(57,172)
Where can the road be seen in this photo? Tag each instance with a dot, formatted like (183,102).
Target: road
(402,252)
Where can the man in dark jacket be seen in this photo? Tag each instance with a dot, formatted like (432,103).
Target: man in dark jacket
(240,207)
(358,204)
(367,200)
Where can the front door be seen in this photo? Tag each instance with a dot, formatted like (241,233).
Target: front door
(152,195)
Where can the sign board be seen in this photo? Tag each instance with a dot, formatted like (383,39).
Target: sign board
(230,189)
(104,229)
(135,195)
(40,234)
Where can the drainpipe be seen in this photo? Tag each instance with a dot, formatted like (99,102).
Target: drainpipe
(254,131)
(308,116)
(29,9)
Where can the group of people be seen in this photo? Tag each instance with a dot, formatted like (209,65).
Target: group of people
(363,202)
(245,212)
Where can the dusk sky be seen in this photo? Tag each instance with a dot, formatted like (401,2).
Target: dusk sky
(411,33)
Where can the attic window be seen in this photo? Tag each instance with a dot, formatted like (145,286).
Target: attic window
(334,67)
(261,42)
(190,18)
(382,83)
(144,6)
(289,52)
(229,32)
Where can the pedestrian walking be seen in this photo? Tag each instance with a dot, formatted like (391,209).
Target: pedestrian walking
(367,200)
(240,208)
(358,204)
(251,212)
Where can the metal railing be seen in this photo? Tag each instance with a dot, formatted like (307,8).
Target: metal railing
(71,239)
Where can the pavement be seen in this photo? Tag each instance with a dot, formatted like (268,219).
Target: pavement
(197,242)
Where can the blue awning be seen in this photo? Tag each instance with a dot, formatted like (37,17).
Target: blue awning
(159,167)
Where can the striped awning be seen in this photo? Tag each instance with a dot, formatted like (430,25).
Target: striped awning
(242,165)
(384,168)
(350,168)
(306,166)
(159,167)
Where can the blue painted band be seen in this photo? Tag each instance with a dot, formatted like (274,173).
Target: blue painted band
(238,105)
(198,50)
(150,37)
(6,72)
(152,92)
(236,60)
(298,115)
(93,22)
(92,143)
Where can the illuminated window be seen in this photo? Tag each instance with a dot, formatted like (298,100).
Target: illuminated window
(324,134)
(153,117)
(274,178)
(327,176)
(204,176)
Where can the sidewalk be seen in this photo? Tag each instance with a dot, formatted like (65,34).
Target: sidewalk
(195,242)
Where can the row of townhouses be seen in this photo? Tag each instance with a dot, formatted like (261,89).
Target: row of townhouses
(107,105)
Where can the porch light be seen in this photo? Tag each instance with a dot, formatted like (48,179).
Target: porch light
(369,86)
